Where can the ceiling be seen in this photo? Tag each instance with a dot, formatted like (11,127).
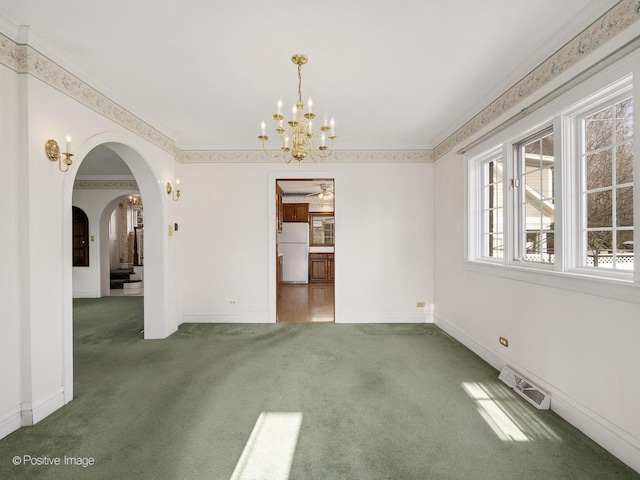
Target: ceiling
(305,187)
(401,74)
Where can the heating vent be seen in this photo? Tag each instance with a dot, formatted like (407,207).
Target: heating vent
(527,390)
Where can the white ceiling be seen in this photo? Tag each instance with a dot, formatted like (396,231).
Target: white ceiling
(398,74)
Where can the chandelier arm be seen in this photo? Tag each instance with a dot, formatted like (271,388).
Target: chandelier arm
(272,155)
(322,156)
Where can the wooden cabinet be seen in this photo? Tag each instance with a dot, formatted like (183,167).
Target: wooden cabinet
(279,209)
(279,264)
(321,267)
(295,212)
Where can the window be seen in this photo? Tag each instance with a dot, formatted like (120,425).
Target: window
(492,207)
(535,190)
(80,238)
(607,198)
(554,194)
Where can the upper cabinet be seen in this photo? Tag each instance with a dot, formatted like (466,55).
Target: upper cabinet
(295,212)
(322,229)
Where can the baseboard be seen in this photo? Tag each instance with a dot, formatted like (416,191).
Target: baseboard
(86,295)
(487,355)
(33,412)
(173,328)
(10,421)
(225,318)
(600,430)
(384,318)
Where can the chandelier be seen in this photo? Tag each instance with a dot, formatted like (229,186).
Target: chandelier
(299,131)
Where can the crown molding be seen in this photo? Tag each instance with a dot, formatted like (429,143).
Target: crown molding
(107,184)
(339,156)
(612,23)
(25,59)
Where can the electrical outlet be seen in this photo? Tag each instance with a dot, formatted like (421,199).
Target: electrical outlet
(421,304)
(232,302)
(503,341)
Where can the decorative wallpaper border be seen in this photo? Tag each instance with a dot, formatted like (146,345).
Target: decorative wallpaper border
(620,17)
(339,156)
(111,184)
(25,59)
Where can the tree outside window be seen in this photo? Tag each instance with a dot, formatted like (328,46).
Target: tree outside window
(608,187)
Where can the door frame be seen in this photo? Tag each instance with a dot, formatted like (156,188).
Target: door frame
(272,215)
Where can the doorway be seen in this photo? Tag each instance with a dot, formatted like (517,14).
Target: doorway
(305,250)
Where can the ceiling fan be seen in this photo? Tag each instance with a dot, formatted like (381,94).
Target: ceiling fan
(325,194)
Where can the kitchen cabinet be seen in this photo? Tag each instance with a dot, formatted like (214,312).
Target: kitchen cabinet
(321,267)
(279,209)
(279,265)
(295,212)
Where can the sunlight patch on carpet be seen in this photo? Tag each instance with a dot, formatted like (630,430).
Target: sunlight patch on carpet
(268,454)
(506,415)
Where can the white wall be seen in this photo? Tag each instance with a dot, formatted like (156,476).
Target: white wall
(10,274)
(383,240)
(582,348)
(36,337)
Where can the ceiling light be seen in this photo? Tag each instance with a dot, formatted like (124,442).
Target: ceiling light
(299,130)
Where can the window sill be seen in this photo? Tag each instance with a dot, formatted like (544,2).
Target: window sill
(615,288)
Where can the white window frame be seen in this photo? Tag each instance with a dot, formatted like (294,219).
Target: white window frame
(561,113)
(618,92)
(477,170)
(518,191)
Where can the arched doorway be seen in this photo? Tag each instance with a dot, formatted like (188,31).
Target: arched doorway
(158,303)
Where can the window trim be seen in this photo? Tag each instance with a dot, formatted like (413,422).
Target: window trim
(518,193)
(564,274)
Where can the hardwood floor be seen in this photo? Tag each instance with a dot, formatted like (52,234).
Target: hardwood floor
(306,303)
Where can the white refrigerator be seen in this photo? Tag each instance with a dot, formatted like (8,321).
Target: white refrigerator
(293,244)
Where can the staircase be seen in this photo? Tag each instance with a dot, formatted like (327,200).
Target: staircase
(128,279)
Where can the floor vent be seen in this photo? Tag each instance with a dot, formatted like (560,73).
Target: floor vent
(527,390)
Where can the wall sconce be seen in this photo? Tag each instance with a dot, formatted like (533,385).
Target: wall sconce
(176,193)
(52,150)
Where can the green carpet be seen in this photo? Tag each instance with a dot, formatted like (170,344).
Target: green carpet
(377,402)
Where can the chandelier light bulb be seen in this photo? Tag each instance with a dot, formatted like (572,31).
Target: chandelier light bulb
(280,106)
(310,102)
(263,125)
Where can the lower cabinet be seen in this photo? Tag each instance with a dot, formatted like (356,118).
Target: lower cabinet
(321,267)
(279,275)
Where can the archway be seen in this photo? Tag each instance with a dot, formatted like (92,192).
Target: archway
(157,299)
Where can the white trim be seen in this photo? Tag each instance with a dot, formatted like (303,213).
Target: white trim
(381,317)
(261,317)
(604,87)
(173,327)
(10,421)
(93,294)
(613,439)
(624,290)
(487,355)
(33,412)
